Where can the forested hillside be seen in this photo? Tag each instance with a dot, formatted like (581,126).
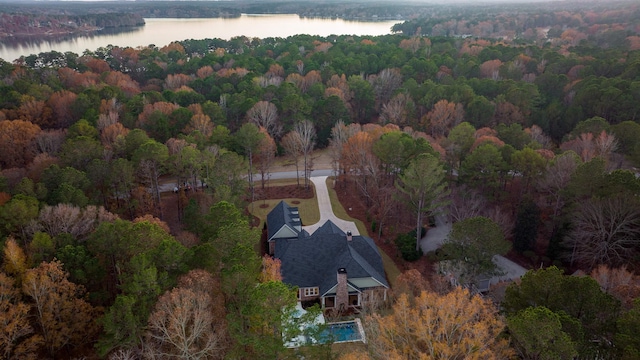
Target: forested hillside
(529,147)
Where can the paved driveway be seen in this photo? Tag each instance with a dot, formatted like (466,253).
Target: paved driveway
(437,235)
(326,212)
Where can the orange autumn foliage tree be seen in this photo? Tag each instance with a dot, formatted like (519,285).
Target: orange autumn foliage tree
(412,283)
(357,155)
(17,339)
(457,325)
(17,145)
(35,111)
(64,318)
(96,65)
(444,116)
(152,220)
(164,107)
(270,269)
(113,134)
(489,69)
(355,355)
(176,81)
(204,72)
(619,282)
(507,113)
(61,103)
(15,261)
(122,81)
(200,122)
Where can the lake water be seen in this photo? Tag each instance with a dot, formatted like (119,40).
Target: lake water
(161,32)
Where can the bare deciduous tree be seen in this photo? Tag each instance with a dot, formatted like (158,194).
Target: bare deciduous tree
(265,114)
(265,156)
(186,322)
(556,178)
(583,145)
(385,83)
(73,220)
(398,110)
(360,163)
(339,136)
(466,203)
(537,135)
(307,138)
(605,231)
(50,141)
(291,144)
(502,218)
(605,144)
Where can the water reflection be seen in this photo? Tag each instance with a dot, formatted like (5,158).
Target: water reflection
(33,42)
(163,31)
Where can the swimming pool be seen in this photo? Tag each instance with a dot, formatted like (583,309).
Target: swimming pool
(344,331)
(318,332)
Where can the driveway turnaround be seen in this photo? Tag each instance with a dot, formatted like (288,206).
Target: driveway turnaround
(436,235)
(326,211)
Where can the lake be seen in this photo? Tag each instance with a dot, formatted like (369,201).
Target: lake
(161,32)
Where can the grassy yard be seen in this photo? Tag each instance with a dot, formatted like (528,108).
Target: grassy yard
(389,266)
(309,212)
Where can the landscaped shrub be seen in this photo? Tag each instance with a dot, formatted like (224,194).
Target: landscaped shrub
(406,243)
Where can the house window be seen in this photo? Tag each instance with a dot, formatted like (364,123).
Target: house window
(330,301)
(354,300)
(311,291)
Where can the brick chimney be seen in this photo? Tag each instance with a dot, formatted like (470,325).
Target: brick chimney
(349,236)
(342,290)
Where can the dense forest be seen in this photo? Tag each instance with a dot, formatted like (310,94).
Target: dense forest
(29,25)
(529,146)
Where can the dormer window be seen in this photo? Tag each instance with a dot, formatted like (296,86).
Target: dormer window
(312,291)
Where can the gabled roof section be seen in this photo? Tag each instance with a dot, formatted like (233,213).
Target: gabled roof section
(329,228)
(314,260)
(281,216)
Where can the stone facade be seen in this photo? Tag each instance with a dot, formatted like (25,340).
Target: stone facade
(342,290)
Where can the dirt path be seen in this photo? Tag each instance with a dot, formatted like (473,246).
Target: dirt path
(321,161)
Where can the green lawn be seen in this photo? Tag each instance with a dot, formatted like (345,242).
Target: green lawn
(308,208)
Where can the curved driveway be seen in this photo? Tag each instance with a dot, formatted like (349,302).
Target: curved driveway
(326,211)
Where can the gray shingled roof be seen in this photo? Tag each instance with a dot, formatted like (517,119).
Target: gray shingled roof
(314,260)
(280,216)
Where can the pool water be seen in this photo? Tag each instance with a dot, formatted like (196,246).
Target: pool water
(347,331)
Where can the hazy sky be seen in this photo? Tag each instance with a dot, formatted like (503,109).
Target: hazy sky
(377,1)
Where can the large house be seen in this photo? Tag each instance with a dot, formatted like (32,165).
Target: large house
(339,269)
